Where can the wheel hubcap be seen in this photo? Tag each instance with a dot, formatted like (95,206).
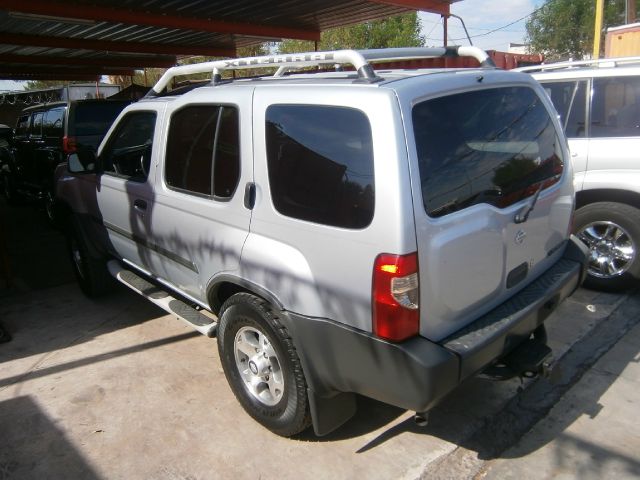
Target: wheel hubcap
(611,249)
(48,206)
(259,366)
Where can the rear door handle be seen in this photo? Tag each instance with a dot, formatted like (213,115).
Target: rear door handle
(140,205)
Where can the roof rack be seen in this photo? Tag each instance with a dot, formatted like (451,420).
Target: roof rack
(358,58)
(601,63)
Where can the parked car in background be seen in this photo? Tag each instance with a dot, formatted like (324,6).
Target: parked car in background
(599,107)
(44,135)
(384,233)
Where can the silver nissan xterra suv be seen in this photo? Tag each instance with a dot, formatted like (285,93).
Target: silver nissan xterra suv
(383,233)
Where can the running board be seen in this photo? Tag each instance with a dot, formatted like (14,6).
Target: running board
(163,299)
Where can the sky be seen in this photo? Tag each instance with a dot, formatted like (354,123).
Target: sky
(480,17)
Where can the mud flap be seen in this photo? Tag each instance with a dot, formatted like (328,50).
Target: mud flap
(329,413)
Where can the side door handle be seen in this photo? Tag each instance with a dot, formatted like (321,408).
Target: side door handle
(250,195)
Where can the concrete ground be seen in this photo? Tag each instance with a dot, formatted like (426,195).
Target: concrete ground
(115,388)
(592,432)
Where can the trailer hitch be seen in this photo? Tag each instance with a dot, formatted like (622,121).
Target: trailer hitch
(530,359)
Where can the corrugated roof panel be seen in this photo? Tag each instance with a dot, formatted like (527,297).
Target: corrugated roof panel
(289,15)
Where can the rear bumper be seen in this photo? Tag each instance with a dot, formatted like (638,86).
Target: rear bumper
(417,373)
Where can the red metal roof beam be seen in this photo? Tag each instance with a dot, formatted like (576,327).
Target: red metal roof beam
(154,19)
(441,7)
(35,71)
(107,46)
(131,62)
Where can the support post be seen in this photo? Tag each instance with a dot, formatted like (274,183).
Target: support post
(445,23)
(631,11)
(445,32)
(597,34)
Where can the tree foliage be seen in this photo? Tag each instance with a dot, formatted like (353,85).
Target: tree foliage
(397,31)
(563,29)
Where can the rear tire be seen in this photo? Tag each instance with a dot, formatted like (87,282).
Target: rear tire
(611,231)
(91,273)
(262,366)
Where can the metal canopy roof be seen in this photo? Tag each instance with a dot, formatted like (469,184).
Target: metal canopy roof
(82,39)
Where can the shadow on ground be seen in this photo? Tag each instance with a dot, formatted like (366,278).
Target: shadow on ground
(32,446)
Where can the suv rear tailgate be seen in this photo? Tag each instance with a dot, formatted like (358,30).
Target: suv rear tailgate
(483,158)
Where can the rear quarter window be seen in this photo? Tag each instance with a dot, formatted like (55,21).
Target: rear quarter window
(320,162)
(495,146)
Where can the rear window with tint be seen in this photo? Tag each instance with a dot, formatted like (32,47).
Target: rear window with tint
(320,162)
(495,146)
(94,118)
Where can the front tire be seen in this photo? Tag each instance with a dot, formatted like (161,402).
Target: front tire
(262,366)
(91,273)
(611,231)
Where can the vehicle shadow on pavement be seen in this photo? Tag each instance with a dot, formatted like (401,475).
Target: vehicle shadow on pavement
(462,412)
(41,305)
(35,252)
(56,318)
(27,433)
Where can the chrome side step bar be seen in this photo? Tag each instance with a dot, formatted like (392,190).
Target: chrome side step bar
(192,317)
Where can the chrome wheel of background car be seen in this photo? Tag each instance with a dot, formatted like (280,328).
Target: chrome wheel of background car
(259,366)
(48,207)
(611,249)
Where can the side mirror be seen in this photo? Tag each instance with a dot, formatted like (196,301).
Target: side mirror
(82,161)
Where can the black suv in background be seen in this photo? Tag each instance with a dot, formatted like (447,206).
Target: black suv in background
(44,135)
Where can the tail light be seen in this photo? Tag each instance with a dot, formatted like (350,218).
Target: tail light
(69,144)
(395,294)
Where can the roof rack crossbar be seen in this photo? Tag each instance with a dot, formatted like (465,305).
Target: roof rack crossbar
(358,58)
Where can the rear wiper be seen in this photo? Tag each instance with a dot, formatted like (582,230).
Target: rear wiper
(522,216)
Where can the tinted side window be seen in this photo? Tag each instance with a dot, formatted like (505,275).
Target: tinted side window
(494,146)
(615,107)
(189,159)
(203,150)
(128,153)
(320,162)
(53,126)
(570,102)
(36,126)
(226,169)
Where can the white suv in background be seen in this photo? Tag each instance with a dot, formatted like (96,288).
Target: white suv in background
(599,107)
